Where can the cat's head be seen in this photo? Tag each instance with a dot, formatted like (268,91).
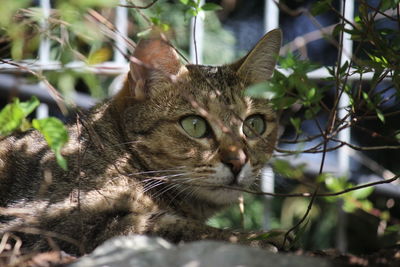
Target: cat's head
(193,126)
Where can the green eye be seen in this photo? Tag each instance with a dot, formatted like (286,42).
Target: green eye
(254,126)
(195,126)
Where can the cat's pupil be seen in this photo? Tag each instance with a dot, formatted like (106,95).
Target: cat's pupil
(195,122)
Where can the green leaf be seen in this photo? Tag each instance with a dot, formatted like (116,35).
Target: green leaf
(385,215)
(338,28)
(144,33)
(284,168)
(96,3)
(380,115)
(296,122)
(331,70)
(12,115)
(155,20)
(185,2)
(311,93)
(392,229)
(56,136)
(99,56)
(66,83)
(29,106)
(343,68)
(362,193)
(387,4)
(93,83)
(283,102)
(288,62)
(8,10)
(397,136)
(336,184)
(266,235)
(164,27)
(311,112)
(264,90)
(365,96)
(366,205)
(191,12)
(380,60)
(349,206)
(320,7)
(211,7)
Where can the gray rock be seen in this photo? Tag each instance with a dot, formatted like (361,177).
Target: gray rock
(143,251)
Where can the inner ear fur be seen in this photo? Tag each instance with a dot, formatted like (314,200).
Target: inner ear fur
(259,64)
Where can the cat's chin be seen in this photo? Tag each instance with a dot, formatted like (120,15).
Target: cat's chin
(219,196)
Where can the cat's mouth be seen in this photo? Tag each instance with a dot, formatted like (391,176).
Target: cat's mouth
(230,186)
(234,183)
(224,187)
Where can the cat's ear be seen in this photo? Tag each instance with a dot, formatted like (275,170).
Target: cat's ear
(154,59)
(259,64)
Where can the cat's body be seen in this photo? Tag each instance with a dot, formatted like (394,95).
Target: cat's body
(145,162)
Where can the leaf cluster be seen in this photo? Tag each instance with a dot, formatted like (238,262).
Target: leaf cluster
(195,7)
(14,116)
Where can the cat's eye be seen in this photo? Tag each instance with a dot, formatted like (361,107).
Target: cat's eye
(195,126)
(254,126)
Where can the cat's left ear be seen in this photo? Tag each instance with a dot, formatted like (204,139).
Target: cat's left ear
(259,64)
(154,61)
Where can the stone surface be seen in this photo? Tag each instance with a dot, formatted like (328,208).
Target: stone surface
(143,251)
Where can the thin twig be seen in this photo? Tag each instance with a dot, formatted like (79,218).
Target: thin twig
(194,39)
(139,7)
(53,92)
(365,148)
(383,14)
(313,197)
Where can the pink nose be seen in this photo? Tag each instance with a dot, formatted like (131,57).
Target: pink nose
(234,157)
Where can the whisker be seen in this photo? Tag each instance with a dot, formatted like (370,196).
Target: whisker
(153,171)
(164,177)
(179,189)
(167,188)
(152,185)
(153,182)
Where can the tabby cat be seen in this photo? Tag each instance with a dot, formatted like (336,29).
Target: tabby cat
(159,158)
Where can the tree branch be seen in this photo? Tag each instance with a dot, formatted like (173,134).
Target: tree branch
(139,7)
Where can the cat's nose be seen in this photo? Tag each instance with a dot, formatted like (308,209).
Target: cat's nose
(234,157)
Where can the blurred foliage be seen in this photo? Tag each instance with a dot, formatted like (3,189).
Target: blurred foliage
(231,218)
(286,90)
(82,31)
(174,19)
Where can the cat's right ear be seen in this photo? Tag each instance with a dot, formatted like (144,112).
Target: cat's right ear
(153,61)
(259,64)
